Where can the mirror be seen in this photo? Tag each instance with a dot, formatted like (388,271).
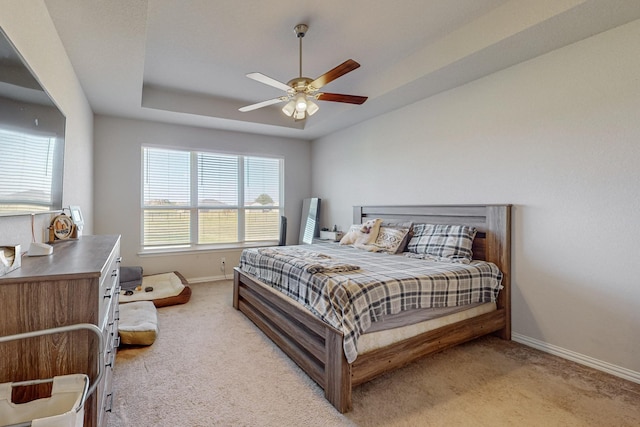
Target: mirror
(31,139)
(309,221)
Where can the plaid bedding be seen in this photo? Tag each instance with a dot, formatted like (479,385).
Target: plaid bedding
(384,284)
(311,262)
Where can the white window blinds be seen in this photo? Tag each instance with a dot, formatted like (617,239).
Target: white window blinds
(261,197)
(217,180)
(26,171)
(202,198)
(166,186)
(167,178)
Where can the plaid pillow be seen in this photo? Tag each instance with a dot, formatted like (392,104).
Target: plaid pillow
(450,243)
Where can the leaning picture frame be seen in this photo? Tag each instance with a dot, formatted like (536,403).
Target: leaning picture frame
(76,215)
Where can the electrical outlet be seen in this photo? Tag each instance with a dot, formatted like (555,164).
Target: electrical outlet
(223,262)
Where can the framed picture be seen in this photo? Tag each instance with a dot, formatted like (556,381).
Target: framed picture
(76,216)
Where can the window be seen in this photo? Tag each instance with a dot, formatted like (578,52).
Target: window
(30,171)
(201,198)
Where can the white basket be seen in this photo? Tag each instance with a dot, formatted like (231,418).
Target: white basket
(64,408)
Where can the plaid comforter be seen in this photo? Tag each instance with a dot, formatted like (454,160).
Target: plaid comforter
(384,284)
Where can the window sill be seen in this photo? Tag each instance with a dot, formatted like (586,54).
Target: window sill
(200,249)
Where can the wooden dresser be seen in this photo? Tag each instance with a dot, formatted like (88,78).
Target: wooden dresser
(79,283)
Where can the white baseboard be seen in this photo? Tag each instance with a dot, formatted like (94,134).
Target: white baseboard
(609,368)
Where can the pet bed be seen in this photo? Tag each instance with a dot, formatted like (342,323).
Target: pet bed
(168,289)
(138,323)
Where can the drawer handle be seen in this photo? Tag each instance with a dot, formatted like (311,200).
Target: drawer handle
(111,357)
(119,259)
(110,405)
(116,342)
(108,293)
(114,273)
(116,315)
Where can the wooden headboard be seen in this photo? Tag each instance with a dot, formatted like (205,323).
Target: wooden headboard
(492,242)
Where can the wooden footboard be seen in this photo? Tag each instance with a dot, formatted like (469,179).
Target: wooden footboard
(317,347)
(314,345)
(374,363)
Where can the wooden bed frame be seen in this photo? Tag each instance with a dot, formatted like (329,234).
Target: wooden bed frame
(317,347)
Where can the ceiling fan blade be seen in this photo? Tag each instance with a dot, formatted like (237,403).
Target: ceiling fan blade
(338,97)
(268,81)
(342,69)
(262,104)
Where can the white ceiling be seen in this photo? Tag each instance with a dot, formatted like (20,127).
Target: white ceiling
(185,61)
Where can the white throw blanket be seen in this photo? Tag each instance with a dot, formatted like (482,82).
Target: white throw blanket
(311,262)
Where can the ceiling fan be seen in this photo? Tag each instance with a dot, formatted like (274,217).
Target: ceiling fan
(301,91)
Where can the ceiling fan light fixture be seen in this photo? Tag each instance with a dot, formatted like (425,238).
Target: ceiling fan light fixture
(289,108)
(299,115)
(312,107)
(301,103)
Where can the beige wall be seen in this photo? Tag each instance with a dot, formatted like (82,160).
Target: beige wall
(28,25)
(558,137)
(118,153)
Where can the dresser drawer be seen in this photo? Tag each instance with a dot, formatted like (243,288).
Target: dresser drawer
(109,283)
(105,397)
(110,325)
(111,343)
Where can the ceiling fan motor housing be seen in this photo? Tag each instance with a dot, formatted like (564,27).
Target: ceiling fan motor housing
(300,30)
(300,84)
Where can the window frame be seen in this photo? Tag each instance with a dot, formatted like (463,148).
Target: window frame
(193,207)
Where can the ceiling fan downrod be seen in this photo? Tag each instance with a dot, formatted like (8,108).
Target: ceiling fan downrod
(300,30)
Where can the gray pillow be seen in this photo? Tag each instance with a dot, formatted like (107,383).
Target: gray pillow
(451,243)
(130,277)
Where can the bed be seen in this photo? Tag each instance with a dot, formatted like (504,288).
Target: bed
(319,348)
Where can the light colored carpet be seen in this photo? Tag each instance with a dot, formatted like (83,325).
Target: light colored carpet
(211,366)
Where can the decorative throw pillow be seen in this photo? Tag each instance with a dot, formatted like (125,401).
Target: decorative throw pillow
(450,243)
(390,239)
(400,224)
